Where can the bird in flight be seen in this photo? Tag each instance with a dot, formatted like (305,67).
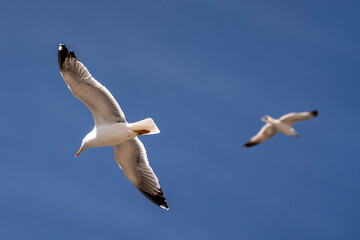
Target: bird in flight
(111,127)
(282,124)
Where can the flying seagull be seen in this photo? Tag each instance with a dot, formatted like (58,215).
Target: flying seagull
(111,128)
(282,124)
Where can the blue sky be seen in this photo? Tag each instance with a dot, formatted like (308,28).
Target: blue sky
(206,72)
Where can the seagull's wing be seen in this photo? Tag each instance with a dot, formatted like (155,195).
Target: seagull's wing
(292,118)
(266,132)
(132,159)
(83,86)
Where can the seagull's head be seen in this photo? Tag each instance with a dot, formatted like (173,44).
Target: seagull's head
(267,119)
(84,145)
(89,141)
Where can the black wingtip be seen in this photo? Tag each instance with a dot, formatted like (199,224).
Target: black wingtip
(62,54)
(72,54)
(249,144)
(158,199)
(315,113)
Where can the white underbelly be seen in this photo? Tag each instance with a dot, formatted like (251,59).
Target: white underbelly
(113,134)
(285,129)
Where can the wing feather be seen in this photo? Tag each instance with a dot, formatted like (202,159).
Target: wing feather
(266,132)
(292,118)
(132,159)
(84,87)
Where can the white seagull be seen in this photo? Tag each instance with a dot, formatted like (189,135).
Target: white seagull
(111,128)
(282,124)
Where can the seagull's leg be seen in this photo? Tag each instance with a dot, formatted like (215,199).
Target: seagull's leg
(141,131)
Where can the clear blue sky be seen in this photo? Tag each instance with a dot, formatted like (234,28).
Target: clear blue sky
(206,72)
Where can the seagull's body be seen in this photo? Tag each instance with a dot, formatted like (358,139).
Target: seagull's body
(109,135)
(282,125)
(111,128)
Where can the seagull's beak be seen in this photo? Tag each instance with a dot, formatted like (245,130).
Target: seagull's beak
(80,150)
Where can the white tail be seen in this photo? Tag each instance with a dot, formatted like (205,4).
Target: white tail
(146,126)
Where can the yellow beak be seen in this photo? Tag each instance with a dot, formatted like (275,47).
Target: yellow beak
(80,150)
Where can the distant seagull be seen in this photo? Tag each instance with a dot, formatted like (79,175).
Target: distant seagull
(111,128)
(282,124)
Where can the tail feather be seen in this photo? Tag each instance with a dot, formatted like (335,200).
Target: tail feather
(146,126)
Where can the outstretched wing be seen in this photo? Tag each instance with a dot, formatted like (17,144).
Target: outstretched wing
(132,159)
(266,132)
(292,118)
(83,86)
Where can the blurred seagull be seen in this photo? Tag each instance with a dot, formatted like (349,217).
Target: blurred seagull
(282,124)
(111,128)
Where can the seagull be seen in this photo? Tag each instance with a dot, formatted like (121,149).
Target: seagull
(282,124)
(111,127)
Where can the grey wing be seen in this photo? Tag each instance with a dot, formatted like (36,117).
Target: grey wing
(132,159)
(292,118)
(266,132)
(83,86)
